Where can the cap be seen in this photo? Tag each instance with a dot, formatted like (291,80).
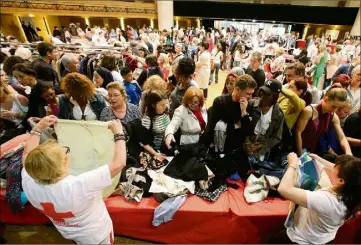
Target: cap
(272,85)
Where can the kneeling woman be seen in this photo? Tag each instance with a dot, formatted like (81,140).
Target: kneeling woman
(190,118)
(321,213)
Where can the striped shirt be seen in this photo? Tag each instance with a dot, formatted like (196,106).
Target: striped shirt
(158,128)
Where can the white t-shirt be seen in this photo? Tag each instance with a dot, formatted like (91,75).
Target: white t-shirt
(74,204)
(320,221)
(78,113)
(216,56)
(264,122)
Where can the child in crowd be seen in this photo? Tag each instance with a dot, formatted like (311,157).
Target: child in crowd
(73,203)
(132,88)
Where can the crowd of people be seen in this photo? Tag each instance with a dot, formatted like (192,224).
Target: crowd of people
(278,98)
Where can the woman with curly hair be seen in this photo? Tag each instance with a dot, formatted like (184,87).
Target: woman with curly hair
(80,100)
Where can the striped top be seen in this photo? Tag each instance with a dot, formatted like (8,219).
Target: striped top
(158,128)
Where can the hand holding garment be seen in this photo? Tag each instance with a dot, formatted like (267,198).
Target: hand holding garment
(307,177)
(97,151)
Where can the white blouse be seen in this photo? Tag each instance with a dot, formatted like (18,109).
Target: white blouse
(89,115)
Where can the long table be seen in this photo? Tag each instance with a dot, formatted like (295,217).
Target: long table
(228,220)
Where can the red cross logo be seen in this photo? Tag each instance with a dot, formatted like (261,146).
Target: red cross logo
(49,211)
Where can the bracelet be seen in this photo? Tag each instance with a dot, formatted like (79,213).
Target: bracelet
(119,137)
(34,132)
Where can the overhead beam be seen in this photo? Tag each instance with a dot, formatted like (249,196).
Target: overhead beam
(12,7)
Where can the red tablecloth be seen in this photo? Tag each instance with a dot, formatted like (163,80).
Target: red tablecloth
(229,220)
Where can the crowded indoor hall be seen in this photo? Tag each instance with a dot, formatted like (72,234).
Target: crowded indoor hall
(224,122)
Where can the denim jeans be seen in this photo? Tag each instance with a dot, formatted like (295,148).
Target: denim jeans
(217,66)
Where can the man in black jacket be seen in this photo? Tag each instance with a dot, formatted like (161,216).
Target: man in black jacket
(231,109)
(255,71)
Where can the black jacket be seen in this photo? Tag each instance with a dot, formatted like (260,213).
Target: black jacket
(225,109)
(259,76)
(45,71)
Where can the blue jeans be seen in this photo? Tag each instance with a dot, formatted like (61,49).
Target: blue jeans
(217,66)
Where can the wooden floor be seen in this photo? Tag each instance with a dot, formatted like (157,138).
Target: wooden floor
(47,234)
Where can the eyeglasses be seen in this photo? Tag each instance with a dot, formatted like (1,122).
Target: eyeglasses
(67,149)
(113,95)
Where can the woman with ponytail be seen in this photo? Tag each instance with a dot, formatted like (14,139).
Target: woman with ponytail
(293,100)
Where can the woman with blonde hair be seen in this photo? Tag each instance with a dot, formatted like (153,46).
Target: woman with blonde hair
(163,62)
(320,61)
(49,186)
(278,64)
(315,120)
(80,100)
(154,82)
(190,118)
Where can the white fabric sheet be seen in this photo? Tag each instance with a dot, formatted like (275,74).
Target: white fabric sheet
(91,146)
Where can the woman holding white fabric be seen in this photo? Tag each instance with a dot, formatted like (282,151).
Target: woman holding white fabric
(49,186)
(203,68)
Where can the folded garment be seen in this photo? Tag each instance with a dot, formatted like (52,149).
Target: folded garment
(211,194)
(164,184)
(166,210)
(135,184)
(257,189)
